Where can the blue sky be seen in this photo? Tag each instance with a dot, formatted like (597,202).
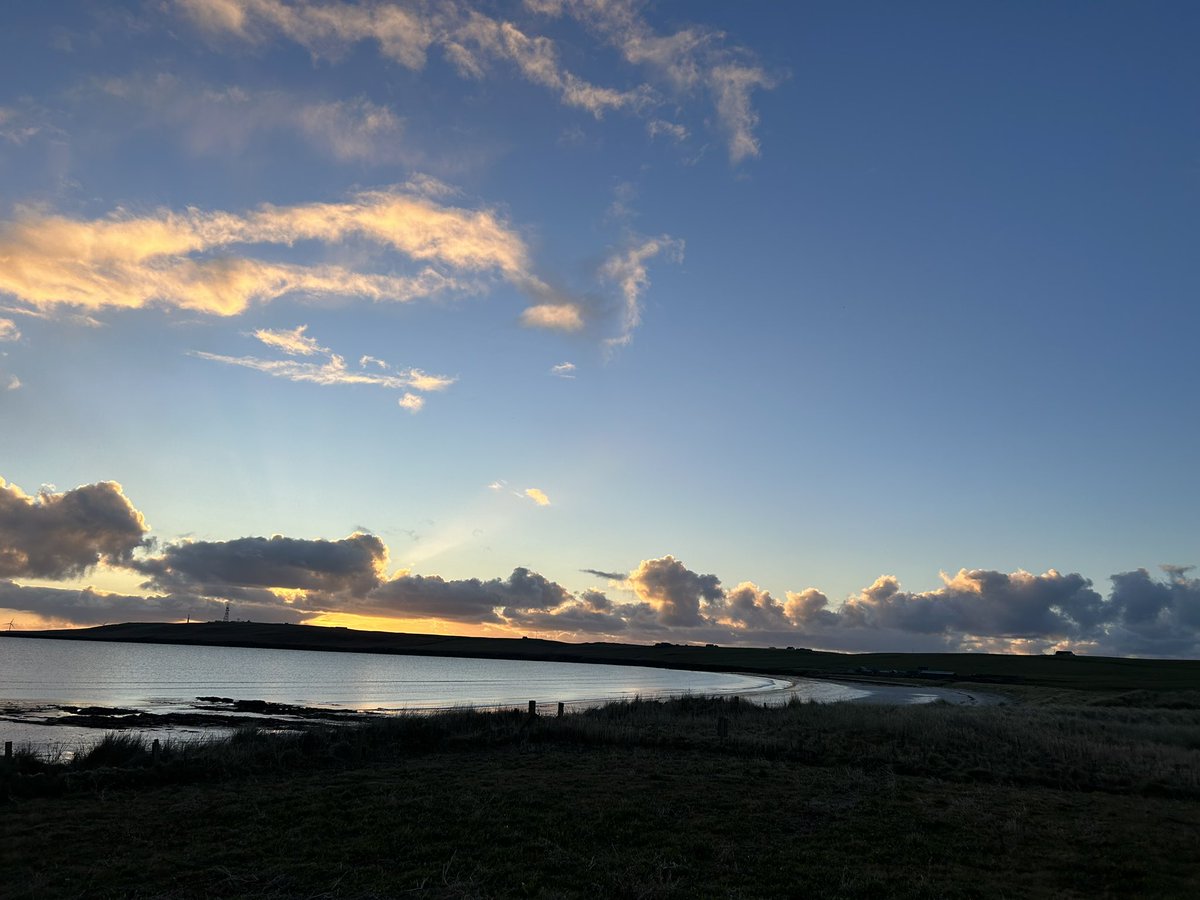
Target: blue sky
(800,296)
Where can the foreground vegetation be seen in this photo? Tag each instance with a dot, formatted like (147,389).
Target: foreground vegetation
(643,799)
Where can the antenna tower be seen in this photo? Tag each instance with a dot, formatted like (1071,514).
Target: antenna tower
(226,612)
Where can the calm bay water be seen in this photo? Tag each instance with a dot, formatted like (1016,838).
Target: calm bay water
(160,677)
(37,676)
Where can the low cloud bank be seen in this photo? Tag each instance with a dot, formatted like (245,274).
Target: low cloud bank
(62,535)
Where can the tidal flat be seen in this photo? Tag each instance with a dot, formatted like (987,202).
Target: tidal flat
(1060,793)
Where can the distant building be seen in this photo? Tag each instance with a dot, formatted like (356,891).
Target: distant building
(1063,653)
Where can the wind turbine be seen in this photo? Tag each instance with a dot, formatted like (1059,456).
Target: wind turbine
(10,623)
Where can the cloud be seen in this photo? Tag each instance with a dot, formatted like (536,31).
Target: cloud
(218,120)
(16,125)
(334,371)
(293,342)
(88,606)
(412,402)
(184,259)
(982,602)
(12,383)
(563,370)
(554,316)
(600,573)
(537,496)
(352,566)
(9,330)
(627,270)
(470,40)
(748,606)
(1156,617)
(691,60)
(63,535)
(467,600)
(675,591)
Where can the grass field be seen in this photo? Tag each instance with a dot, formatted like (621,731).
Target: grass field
(640,799)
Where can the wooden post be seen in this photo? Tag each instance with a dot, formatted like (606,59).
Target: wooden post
(155,747)
(561,709)
(722,727)
(7,751)
(532,708)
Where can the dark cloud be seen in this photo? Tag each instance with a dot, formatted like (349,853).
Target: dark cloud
(352,566)
(468,600)
(982,602)
(597,601)
(675,590)
(63,535)
(600,573)
(1156,617)
(92,607)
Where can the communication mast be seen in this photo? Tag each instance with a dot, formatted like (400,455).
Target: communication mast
(226,614)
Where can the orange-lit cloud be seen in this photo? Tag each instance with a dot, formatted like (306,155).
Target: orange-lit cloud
(171,258)
(555,316)
(537,496)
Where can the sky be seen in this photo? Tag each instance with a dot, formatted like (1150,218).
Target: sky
(854,326)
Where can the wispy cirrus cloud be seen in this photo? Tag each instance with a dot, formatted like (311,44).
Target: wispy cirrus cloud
(563,370)
(627,270)
(689,63)
(9,330)
(471,40)
(220,119)
(201,261)
(332,370)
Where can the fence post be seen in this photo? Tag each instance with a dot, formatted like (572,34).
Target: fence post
(561,709)
(532,708)
(8,751)
(155,747)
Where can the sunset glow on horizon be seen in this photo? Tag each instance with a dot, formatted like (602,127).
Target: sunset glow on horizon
(840,326)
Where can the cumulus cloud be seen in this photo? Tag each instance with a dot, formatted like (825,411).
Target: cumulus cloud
(186,259)
(983,602)
(467,600)
(352,566)
(675,591)
(1156,616)
(9,330)
(412,402)
(748,606)
(11,382)
(537,496)
(63,535)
